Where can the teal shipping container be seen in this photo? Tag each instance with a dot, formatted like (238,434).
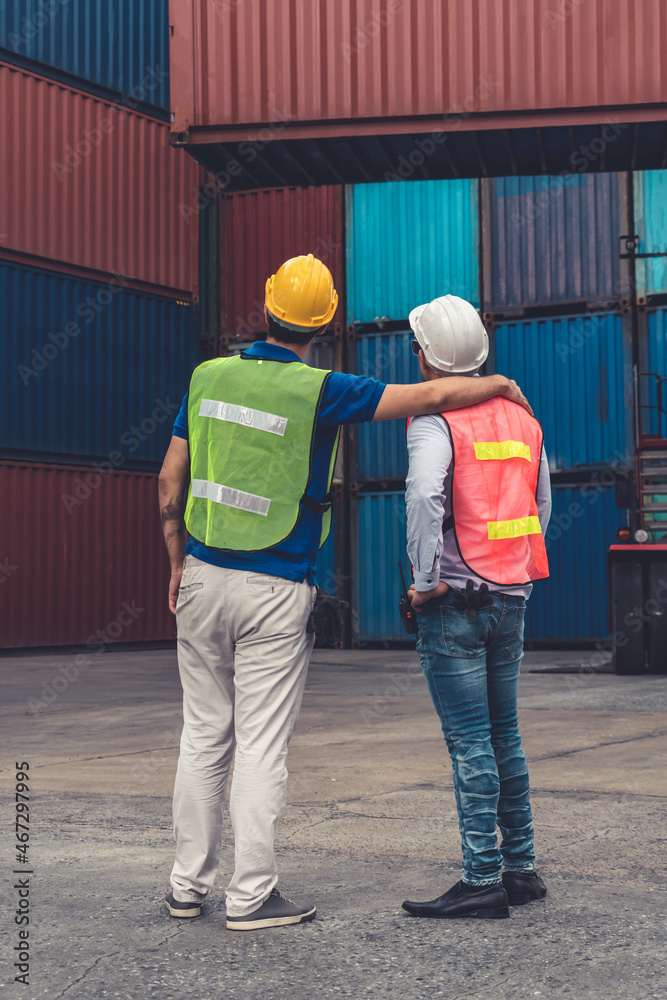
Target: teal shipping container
(407,243)
(570,606)
(650,187)
(120,45)
(653,361)
(576,372)
(378,543)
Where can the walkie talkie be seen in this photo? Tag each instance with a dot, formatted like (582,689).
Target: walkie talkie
(407,612)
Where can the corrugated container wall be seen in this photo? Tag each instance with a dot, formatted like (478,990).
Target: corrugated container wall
(378,543)
(380,447)
(650,188)
(94,185)
(653,361)
(575,370)
(327,577)
(119,44)
(102,563)
(261,230)
(90,369)
(296,60)
(408,242)
(551,239)
(571,605)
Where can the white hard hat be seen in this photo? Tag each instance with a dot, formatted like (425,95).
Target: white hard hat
(451,334)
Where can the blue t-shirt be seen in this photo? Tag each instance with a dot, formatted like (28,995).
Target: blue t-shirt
(347,399)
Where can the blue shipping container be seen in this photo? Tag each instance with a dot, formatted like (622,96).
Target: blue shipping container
(570,606)
(576,372)
(650,187)
(378,543)
(327,577)
(122,45)
(92,369)
(380,447)
(553,239)
(407,243)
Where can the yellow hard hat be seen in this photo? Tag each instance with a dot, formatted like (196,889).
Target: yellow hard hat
(301,294)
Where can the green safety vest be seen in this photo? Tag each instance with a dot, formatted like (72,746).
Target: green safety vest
(251,427)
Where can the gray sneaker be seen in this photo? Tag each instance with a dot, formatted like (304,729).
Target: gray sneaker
(275,911)
(178,909)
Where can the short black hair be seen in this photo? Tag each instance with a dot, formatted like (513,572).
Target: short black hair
(285,336)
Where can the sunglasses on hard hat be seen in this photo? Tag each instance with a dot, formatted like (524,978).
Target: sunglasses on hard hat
(415,347)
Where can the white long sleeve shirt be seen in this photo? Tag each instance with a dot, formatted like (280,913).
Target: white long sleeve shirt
(428,502)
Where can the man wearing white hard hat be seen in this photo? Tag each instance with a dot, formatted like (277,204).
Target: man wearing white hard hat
(478,503)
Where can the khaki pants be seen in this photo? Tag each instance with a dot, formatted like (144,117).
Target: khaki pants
(243,654)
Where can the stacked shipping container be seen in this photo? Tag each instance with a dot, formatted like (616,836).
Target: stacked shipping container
(119,45)
(548,245)
(259,231)
(540,256)
(98,278)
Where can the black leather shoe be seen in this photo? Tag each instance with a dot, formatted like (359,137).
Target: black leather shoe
(488,901)
(523,887)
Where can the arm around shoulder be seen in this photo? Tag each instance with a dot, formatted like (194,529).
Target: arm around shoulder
(438,395)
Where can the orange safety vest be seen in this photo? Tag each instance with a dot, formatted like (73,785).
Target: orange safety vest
(496,453)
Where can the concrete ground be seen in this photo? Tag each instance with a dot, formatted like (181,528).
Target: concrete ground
(371,821)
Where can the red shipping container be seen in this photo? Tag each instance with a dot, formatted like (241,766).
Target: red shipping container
(288,62)
(94,185)
(83,557)
(261,230)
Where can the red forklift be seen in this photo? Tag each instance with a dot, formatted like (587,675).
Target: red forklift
(638,555)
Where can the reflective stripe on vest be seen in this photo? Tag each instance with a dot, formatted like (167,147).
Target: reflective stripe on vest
(251,428)
(515,528)
(497,449)
(259,419)
(230,498)
(492,450)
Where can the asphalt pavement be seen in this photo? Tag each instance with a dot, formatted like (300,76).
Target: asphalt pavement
(370,822)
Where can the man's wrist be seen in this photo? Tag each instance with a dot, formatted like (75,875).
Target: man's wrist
(426,581)
(499,383)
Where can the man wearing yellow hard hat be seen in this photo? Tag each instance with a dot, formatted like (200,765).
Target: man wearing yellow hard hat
(244,496)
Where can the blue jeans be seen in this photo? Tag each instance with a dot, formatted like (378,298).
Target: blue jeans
(472,672)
